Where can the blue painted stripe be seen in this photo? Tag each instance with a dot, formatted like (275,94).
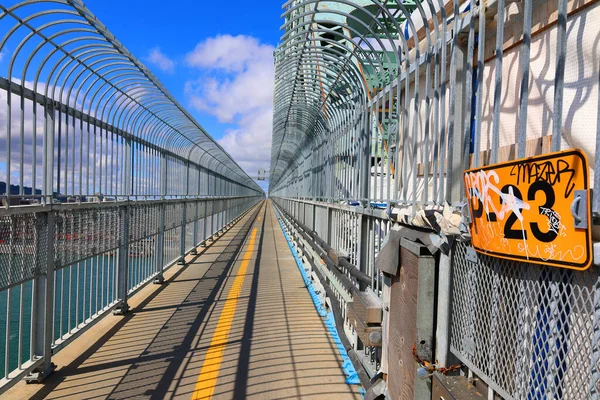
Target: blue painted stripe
(347,366)
(307,281)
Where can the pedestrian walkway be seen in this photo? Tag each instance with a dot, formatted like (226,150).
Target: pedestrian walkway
(235,322)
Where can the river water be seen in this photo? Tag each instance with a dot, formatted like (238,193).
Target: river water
(81,290)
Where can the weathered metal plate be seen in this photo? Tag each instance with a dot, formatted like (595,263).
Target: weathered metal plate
(534,210)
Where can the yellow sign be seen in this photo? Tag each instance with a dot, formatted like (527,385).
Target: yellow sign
(533,210)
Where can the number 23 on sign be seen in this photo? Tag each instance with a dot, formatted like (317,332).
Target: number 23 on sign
(533,210)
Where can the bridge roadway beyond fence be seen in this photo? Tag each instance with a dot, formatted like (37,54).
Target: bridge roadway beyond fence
(235,321)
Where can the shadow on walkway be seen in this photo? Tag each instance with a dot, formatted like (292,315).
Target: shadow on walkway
(151,374)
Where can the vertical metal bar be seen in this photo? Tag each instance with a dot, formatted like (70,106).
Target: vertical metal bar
(48,155)
(182,231)
(561,50)
(363,247)
(77,294)
(70,292)
(73,192)
(159,247)
(195,230)
(92,280)
(458,93)
(7,332)
(480,83)
(594,387)
(468,97)
(524,91)
(499,54)
(22,153)
(42,317)
(365,141)
(8,146)
(596,198)
(87,163)
(113,157)
(444,295)
(123,263)
(21,322)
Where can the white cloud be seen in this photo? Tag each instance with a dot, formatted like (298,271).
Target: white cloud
(160,60)
(235,84)
(230,53)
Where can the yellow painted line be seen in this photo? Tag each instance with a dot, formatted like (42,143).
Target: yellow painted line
(209,373)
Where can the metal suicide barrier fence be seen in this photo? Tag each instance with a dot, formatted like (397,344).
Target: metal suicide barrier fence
(105,181)
(447,150)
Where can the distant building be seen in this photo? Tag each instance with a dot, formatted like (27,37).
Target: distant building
(96,198)
(262,175)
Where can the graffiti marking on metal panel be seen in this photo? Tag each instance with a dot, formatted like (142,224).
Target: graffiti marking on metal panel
(523,210)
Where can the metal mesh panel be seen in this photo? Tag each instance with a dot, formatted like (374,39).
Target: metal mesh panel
(201,209)
(190,212)
(84,233)
(41,250)
(189,236)
(144,221)
(172,245)
(22,247)
(141,261)
(529,331)
(209,208)
(173,215)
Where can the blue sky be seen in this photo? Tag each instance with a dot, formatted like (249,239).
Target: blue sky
(214,57)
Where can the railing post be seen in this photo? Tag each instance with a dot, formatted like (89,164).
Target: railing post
(365,171)
(195,230)
(48,156)
(221,221)
(214,220)
(123,263)
(327,237)
(363,248)
(227,205)
(159,247)
(159,261)
(129,167)
(184,218)
(42,318)
(444,294)
(205,223)
(182,237)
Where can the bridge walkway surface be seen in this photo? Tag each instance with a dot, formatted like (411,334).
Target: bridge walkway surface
(236,321)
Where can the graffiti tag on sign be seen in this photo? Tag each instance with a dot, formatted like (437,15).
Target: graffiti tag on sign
(523,210)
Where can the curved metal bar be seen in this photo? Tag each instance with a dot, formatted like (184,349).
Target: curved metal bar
(95,72)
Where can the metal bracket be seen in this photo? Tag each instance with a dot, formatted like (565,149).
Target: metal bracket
(121,309)
(579,210)
(469,346)
(472,255)
(39,375)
